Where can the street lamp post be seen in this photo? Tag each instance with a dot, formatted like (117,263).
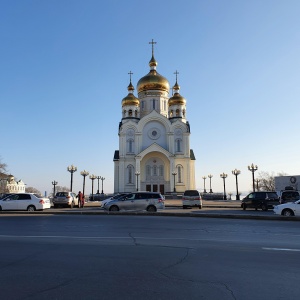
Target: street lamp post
(174,174)
(252,169)
(223,175)
(102,178)
(93,177)
(210,177)
(204,178)
(84,173)
(72,169)
(54,184)
(236,172)
(137,174)
(98,178)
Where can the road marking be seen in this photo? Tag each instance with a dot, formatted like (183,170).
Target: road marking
(282,249)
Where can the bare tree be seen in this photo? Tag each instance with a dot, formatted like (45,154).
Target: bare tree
(31,189)
(267,180)
(62,189)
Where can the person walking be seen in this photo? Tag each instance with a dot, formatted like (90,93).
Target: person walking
(80,197)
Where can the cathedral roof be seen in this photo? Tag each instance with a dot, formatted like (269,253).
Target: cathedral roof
(130,99)
(176,99)
(153,80)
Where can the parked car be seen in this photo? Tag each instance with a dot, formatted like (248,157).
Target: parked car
(288,209)
(148,201)
(68,199)
(115,197)
(263,200)
(289,196)
(191,198)
(24,201)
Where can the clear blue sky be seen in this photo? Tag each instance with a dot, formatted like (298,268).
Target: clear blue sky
(64,71)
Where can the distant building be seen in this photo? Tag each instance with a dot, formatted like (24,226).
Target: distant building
(281,182)
(10,185)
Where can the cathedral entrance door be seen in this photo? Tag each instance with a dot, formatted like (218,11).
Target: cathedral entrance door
(154,187)
(162,189)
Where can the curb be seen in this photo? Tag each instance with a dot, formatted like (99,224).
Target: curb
(156,214)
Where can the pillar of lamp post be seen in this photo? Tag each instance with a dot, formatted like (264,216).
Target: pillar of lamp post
(252,168)
(210,177)
(236,172)
(102,179)
(84,173)
(98,178)
(54,184)
(174,174)
(72,169)
(137,174)
(223,175)
(257,182)
(93,177)
(204,178)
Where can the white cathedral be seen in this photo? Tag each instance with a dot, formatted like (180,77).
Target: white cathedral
(154,138)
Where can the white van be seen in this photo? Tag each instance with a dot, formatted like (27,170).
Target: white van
(191,198)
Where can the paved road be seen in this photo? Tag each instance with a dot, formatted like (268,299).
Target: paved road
(147,257)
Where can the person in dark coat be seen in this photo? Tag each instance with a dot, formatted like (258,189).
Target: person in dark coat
(80,197)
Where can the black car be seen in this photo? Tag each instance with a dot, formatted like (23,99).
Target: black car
(262,200)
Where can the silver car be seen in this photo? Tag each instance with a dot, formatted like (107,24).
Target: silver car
(148,201)
(68,199)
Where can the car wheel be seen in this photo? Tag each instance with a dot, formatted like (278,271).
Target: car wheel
(244,206)
(114,208)
(264,207)
(151,208)
(55,206)
(30,208)
(200,207)
(287,212)
(0,208)
(184,207)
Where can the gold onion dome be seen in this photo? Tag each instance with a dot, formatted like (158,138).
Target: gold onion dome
(130,99)
(176,99)
(153,80)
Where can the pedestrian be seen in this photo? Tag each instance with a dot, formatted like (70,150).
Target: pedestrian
(80,197)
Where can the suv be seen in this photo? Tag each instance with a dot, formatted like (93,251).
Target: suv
(289,196)
(263,200)
(65,199)
(137,201)
(191,198)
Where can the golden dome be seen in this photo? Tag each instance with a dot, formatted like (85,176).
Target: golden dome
(130,99)
(153,81)
(176,99)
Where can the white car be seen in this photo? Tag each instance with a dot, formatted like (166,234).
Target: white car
(288,209)
(24,201)
(115,197)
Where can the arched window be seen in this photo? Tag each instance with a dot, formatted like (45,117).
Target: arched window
(183,112)
(130,113)
(177,112)
(135,113)
(130,146)
(148,170)
(130,173)
(161,170)
(179,174)
(155,170)
(178,145)
(124,113)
